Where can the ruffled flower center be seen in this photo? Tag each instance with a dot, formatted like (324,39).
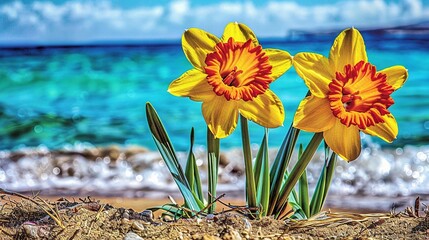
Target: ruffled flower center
(238,70)
(360,96)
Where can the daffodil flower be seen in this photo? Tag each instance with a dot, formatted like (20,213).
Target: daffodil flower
(231,76)
(348,95)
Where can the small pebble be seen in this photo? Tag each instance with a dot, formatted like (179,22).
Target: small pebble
(147,213)
(126,215)
(167,218)
(247,225)
(125,221)
(132,236)
(232,235)
(138,226)
(211,238)
(35,231)
(30,230)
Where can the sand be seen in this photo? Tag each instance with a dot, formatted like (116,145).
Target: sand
(122,218)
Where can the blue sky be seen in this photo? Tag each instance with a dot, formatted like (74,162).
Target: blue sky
(114,20)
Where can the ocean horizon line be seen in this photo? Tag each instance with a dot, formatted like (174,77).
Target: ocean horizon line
(417,30)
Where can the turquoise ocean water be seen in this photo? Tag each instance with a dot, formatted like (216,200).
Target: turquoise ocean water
(59,95)
(84,96)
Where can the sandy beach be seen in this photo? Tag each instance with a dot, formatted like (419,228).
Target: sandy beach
(124,218)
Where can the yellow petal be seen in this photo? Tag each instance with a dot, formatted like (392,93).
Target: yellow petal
(386,131)
(221,116)
(314,115)
(239,32)
(193,84)
(266,110)
(343,140)
(348,48)
(315,70)
(197,44)
(396,76)
(280,60)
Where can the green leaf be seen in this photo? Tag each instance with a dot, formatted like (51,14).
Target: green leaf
(294,203)
(297,170)
(298,211)
(250,177)
(172,210)
(190,163)
(323,183)
(330,173)
(262,175)
(259,159)
(318,191)
(165,147)
(293,198)
(303,189)
(213,146)
(279,166)
(192,173)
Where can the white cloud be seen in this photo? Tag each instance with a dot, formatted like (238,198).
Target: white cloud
(414,8)
(100,20)
(178,11)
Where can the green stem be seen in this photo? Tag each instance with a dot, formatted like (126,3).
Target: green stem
(279,167)
(213,164)
(262,176)
(330,169)
(303,189)
(298,169)
(250,179)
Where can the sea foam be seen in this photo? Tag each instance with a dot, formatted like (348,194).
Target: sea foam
(83,169)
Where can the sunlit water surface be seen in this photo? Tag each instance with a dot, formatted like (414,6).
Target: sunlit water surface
(81,97)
